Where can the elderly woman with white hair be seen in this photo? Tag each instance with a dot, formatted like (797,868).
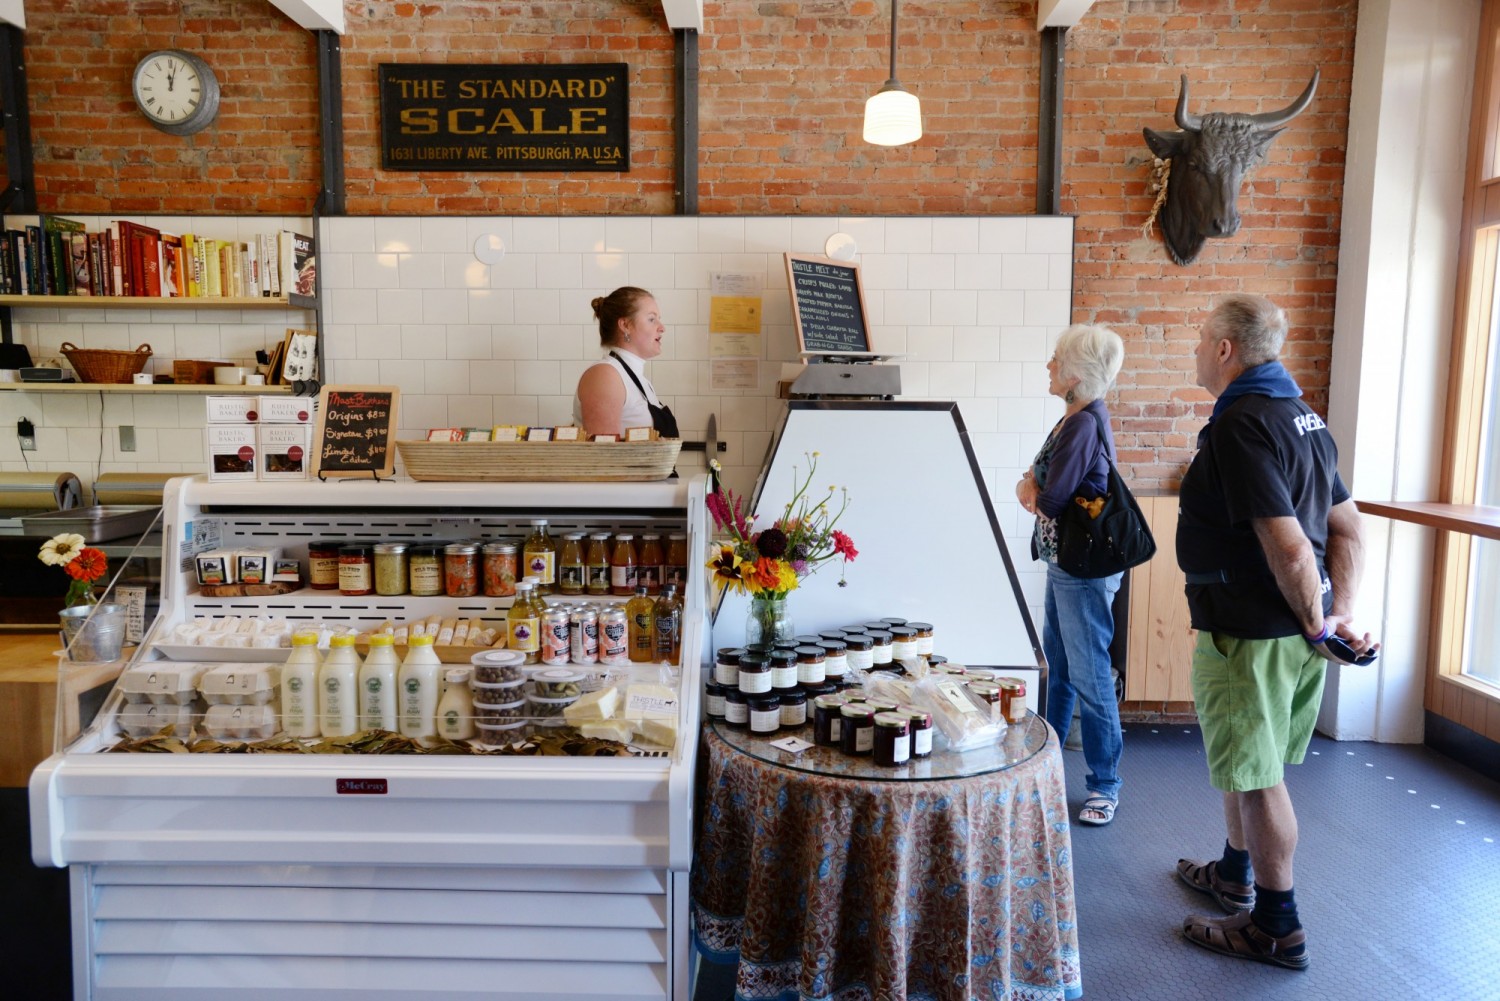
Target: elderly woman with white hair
(1079,625)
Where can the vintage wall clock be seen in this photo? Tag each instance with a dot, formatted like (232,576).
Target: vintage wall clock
(176,91)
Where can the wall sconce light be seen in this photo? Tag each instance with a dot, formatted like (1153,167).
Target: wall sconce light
(893,117)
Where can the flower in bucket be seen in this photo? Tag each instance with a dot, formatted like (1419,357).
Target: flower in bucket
(772,562)
(84,564)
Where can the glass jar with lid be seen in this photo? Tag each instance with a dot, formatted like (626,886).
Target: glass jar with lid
(856,724)
(835,658)
(891,744)
(861,651)
(356,569)
(425,568)
(783,669)
(461,569)
(883,648)
(924,637)
(811,660)
(903,643)
(323,564)
(501,562)
(391,567)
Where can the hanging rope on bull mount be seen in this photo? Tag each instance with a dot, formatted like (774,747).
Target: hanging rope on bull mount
(1160,170)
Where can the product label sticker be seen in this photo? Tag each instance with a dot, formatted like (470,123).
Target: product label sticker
(951,692)
(643,706)
(793,745)
(134,599)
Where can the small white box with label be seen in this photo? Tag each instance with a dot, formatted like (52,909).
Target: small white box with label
(287,409)
(283,451)
(232,409)
(231,451)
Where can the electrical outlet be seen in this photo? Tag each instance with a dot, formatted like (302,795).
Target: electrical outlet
(28,442)
(127,438)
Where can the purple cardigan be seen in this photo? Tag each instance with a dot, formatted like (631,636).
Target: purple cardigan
(1077,461)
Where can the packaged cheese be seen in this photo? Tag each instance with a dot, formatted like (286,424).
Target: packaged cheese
(646,700)
(608,729)
(594,706)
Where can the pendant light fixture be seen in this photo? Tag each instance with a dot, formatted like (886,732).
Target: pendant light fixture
(893,117)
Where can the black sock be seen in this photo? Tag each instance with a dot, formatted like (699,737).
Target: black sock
(1234,867)
(1275,911)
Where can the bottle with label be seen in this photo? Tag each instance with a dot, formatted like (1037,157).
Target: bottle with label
(455,711)
(570,566)
(522,625)
(638,612)
(299,687)
(539,557)
(419,680)
(538,603)
(651,559)
(666,624)
(622,565)
(674,570)
(377,685)
(596,564)
(338,688)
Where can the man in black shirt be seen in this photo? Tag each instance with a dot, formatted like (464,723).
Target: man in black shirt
(1273,552)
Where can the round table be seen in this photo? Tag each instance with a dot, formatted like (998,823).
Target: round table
(825,876)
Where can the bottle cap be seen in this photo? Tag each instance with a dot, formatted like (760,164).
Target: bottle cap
(539,521)
(456,675)
(640,590)
(341,640)
(423,640)
(382,639)
(304,638)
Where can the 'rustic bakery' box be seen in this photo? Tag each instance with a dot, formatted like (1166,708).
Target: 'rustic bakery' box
(284,451)
(231,451)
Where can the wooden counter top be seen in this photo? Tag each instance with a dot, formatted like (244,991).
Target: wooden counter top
(28,699)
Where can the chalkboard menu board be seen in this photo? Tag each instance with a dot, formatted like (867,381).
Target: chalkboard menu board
(356,426)
(828,305)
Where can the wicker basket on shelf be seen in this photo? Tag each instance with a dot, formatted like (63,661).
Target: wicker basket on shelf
(538,461)
(99,365)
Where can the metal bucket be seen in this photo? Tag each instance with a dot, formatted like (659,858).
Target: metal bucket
(93,640)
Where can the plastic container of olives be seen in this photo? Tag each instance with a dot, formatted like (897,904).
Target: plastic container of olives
(496,692)
(501,734)
(501,712)
(540,707)
(557,683)
(498,666)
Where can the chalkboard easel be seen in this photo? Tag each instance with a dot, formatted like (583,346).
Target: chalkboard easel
(356,431)
(828,307)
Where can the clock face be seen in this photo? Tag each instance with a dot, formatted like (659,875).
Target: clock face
(176,91)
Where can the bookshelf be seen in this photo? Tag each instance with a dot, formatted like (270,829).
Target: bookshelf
(157,302)
(203,389)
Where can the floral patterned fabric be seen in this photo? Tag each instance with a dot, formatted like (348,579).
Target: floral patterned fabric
(833,889)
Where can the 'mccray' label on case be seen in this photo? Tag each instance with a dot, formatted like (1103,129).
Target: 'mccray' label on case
(361,787)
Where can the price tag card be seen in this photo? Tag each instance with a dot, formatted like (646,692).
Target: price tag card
(794,745)
(134,599)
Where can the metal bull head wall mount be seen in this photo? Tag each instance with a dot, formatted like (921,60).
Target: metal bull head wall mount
(1209,159)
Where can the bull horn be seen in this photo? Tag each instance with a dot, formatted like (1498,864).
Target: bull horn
(1276,119)
(1186,121)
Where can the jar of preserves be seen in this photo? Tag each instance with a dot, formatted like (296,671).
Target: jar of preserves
(650,559)
(765,713)
(924,637)
(990,694)
(880,705)
(674,570)
(835,658)
(460,569)
(831,635)
(425,565)
(861,651)
(754,675)
(810,664)
(1013,703)
(856,723)
(882,648)
(570,565)
(921,731)
(892,739)
(356,570)
(783,669)
(826,719)
(557,642)
(793,708)
(805,639)
(875,625)
(936,660)
(391,568)
(623,563)
(736,708)
(614,637)
(596,564)
(583,635)
(903,643)
(501,563)
(323,564)
(713,699)
(540,556)
(893,622)
(727,665)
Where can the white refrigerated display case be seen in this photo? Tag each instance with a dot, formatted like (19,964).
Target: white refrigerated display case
(324,876)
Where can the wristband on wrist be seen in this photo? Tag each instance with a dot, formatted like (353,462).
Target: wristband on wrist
(1321,637)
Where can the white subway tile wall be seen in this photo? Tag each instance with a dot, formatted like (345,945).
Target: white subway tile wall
(975,304)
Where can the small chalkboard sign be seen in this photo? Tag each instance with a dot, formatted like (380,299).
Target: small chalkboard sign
(356,428)
(828,306)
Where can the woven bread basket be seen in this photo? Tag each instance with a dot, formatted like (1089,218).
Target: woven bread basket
(538,461)
(99,365)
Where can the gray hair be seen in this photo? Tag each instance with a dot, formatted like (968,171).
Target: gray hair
(1092,355)
(1255,325)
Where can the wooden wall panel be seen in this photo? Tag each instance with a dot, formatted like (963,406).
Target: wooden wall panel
(1159,653)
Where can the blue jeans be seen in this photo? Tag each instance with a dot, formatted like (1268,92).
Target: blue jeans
(1075,637)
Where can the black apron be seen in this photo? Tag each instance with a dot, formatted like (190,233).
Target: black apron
(661,417)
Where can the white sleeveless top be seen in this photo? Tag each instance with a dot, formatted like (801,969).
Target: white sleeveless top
(634,414)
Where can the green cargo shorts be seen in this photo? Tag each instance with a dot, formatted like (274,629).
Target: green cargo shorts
(1257,701)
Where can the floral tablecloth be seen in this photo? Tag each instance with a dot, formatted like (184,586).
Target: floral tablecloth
(824,887)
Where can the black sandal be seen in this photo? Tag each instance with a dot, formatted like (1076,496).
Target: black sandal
(1234,898)
(1240,937)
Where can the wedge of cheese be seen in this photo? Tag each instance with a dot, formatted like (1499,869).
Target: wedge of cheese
(593,706)
(660,731)
(608,729)
(645,700)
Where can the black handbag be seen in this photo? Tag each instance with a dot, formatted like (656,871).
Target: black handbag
(1097,537)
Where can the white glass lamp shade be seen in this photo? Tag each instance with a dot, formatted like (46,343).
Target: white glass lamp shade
(893,117)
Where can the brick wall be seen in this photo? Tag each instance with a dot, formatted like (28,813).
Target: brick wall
(782,89)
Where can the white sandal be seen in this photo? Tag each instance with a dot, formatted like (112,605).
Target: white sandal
(1103,811)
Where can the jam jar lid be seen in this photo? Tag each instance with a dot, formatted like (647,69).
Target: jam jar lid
(428,549)
(792,696)
(754,665)
(757,649)
(875,624)
(805,639)
(355,549)
(730,654)
(386,548)
(714,689)
(881,705)
(810,654)
(832,635)
(734,695)
(764,703)
(856,710)
(935,659)
(880,636)
(920,718)
(832,648)
(782,656)
(501,547)
(859,628)
(921,627)
(860,642)
(894,622)
(327,544)
(463,548)
(903,633)
(816,688)
(830,700)
(893,720)
(784,645)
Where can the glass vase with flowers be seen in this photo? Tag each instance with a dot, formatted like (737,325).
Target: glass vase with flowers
(770,563)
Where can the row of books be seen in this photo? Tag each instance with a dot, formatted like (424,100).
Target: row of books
(58,256)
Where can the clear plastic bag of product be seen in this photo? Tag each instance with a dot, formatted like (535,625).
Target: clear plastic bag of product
(962,717)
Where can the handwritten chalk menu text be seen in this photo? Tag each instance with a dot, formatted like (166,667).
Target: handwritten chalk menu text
(828,305)
(356,425)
